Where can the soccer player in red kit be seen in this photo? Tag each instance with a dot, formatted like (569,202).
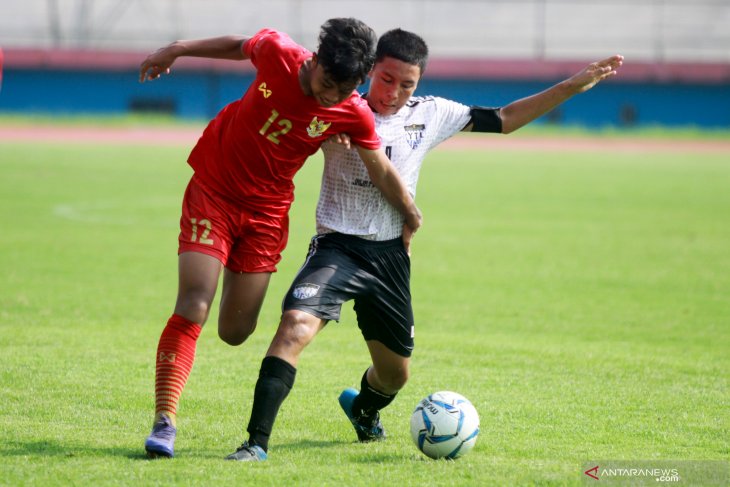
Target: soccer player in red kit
(235,208)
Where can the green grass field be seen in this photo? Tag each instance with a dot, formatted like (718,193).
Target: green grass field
(580,300)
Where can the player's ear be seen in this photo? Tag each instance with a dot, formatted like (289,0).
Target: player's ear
(315,60)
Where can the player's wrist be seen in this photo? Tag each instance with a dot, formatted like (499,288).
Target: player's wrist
(179,48)
(569,87)
(414,219)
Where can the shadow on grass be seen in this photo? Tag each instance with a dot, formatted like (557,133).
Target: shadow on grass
(303,444)
(45,449)
(383,458)
(358,452)
(51,449)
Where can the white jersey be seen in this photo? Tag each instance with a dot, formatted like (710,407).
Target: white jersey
(349,203)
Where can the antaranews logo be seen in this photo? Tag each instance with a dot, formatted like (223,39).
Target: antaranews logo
(653,472)
(656,474)
(592,472)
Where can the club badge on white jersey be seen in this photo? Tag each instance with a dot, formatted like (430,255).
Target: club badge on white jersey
(414,134)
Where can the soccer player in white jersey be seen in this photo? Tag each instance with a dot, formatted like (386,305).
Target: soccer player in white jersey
(360,251)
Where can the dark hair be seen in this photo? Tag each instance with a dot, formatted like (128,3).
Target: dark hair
(404,46)
(346,50)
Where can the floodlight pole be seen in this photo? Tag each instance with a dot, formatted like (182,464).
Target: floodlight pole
(54,23)
(540,45)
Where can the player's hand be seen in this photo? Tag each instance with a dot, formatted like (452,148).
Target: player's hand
(413,223)
(156,64)
(342,139)
(407,237)
(594,73)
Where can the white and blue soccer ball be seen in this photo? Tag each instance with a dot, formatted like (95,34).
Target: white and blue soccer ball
(445,425)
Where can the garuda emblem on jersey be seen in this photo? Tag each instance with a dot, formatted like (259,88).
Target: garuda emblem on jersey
(317,127)
(414,134)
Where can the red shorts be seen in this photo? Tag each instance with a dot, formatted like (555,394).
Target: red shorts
(243,240)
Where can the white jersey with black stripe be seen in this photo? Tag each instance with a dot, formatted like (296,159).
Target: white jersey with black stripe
(349,203)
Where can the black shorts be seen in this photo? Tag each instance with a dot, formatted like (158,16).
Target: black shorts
(375,274)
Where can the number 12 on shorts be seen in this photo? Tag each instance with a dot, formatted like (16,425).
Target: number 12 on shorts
(206,227)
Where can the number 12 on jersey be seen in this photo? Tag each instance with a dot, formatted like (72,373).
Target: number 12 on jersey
(283,124)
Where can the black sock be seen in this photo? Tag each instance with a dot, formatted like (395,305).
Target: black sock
(370,400)
(276,378)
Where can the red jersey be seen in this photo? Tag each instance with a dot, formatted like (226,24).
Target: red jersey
(250,152)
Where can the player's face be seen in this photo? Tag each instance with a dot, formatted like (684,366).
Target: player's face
(327,92)
(392,82)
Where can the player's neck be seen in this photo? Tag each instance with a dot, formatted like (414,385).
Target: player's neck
(305,74)
(370,105)
(374,110)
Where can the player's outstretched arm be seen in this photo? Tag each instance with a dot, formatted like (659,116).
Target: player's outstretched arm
(160,61)
(385,177)
(521,112)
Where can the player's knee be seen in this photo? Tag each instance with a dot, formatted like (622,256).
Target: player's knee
(235,333)
(296,329)
(393,380)
(194,308)
(398,380)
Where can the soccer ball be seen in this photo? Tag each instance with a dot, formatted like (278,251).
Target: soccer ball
(445,425)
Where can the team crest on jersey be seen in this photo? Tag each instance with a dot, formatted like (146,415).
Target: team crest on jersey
(317,127)
(304,291)
(414,134)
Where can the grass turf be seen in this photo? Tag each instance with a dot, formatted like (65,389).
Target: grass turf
(579,300)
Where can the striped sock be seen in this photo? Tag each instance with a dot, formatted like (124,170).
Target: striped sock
(175,356)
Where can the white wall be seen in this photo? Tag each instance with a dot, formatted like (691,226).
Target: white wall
(650,30)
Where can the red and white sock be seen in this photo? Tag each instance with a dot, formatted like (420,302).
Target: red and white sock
(175,357)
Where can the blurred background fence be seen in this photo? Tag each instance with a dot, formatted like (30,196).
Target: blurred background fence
(68,56)
(647,30)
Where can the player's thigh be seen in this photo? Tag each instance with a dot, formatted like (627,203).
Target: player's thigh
(197,282)
(259,241)
(208,224)
(391,369)
(326,280)
(241,299)
(385,317)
